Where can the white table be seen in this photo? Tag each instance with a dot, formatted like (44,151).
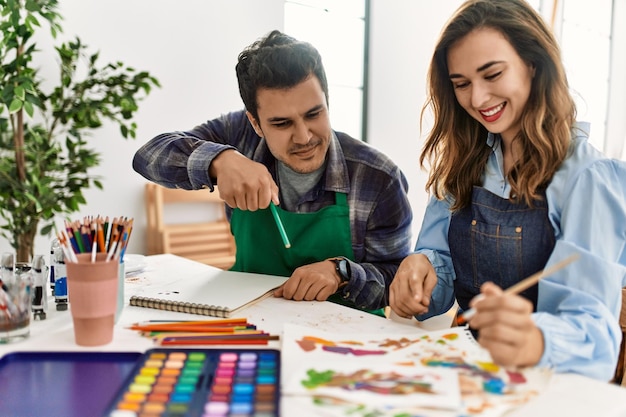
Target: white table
(568,394)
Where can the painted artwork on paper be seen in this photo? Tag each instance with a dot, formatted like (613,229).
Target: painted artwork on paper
(377,385)
(485,388)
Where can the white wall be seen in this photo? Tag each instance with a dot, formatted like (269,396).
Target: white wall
(402,38)
(191,46)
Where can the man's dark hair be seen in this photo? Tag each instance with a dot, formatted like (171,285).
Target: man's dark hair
(277,61)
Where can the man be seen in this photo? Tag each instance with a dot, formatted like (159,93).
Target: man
(343,204)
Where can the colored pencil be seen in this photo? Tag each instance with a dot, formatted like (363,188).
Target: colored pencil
(246,340)
(245,336)
(94,234)
(79,239)
(157,337)
(85,239)
(175,323)
(94,249)
(189,328)
(215,342)
(522,285)
(100,234)
(182,321)
(167,333)
(226,331)
(279,224)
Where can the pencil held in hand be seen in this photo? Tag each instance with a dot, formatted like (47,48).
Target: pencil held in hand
(522,285)
(279,224)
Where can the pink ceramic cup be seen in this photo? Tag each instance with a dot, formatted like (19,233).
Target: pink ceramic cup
(92,291)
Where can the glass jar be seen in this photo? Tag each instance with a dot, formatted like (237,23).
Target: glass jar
(15,299)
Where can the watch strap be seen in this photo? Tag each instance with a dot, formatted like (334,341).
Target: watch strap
(342,267)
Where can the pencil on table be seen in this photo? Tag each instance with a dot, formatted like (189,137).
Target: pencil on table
(217,322)
(253,339)
(279,223)
(195,326)
(157,337)
(158,334)
(523,284)
(213,342)
(198,328)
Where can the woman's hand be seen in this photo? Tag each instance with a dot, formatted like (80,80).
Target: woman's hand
(506,328)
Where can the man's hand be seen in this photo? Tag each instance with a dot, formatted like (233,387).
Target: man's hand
(243,183)
(412,286)
(506,328)
(316,281)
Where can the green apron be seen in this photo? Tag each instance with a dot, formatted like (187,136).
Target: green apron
(313,236)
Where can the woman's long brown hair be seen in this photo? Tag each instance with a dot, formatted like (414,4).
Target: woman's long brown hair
(456,146)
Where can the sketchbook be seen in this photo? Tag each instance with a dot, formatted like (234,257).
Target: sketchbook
(208,291)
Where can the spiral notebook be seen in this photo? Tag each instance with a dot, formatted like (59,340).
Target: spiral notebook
(208,291)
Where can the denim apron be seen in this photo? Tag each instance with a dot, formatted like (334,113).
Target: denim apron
(499,241)
(313,236)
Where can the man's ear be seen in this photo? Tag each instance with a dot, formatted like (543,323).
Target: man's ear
(255,124)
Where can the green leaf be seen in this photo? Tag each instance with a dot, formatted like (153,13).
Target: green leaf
(46,230)
(20,93)
(31,21)
(15,105)
(28,107)
(32,6)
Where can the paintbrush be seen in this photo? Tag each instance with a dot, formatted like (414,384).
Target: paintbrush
(522,285)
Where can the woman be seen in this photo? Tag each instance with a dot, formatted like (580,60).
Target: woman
(516,188)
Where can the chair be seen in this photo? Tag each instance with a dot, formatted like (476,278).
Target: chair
(206,241)
(621,361)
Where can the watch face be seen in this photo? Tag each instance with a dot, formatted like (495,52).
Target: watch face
(342,269)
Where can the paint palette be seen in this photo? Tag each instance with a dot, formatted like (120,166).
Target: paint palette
(203,383)
(68,384)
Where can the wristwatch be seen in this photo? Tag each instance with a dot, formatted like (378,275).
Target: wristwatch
(342,267)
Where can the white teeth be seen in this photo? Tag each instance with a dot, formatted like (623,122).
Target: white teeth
(493,111)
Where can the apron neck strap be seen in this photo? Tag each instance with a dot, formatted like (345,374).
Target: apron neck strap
(341,199)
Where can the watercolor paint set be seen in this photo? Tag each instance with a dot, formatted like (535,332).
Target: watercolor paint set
(166,382)
(203,383)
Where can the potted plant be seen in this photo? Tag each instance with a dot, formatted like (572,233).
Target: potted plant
(45,157)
